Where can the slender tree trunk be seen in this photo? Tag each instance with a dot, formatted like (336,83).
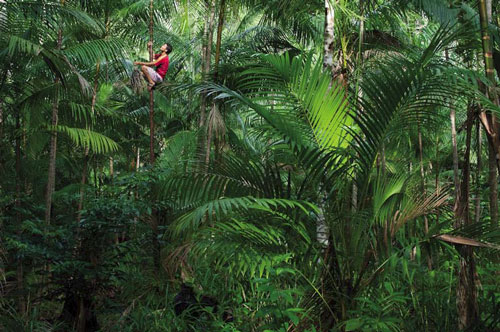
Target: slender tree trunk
(82,184)
(154,212)
(489,10)
(51,179)
(477,212)
(206,56)
(493,185)
(382,159)
(52,163)
(329,37)
(210,122)
(456,181)
(421,158)
(436,181)
(1,121)
(489,120)
(21,303)
(96,182)
(467,307)
(151,95)
(322,231)
(422,183)
(210,132)
(137,159)
(222,12)
(493,155)
(111,168)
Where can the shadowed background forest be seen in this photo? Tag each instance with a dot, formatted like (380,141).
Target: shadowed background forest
(306,165)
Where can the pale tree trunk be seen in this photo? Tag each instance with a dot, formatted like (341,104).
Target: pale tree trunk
(51,178)
(111,168)
(456,181)
(329,38)
(467,306)
(212,117)
(489,10)
(322,231)
(137,159)
(422,183)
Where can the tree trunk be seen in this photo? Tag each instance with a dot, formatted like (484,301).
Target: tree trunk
(82,184)
(479,138)
(422,183)
(488,120)
(51,178)
(489,10)
(151,95)
(493,185)
(154,212)
(436,181)
(206,56)
(52,162)
(456,181)
(329,37)
(322,231)
(210,121)
(467,307)
(111,168)
(222,11)
(1,121)
(137,159)
(21,303)
(210,132)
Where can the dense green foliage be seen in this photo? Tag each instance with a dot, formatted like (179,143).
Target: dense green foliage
(298,199)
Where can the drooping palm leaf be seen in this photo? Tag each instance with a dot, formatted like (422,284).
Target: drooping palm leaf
(96,142)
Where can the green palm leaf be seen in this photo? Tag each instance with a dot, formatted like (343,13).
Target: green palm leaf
(220,208)
(96,142)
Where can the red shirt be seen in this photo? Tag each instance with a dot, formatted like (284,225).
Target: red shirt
(162,65)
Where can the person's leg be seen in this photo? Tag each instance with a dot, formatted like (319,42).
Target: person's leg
(145,71)
(155,76)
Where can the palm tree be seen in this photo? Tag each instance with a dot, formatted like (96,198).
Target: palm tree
(300,147)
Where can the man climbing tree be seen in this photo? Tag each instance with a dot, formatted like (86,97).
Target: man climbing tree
(161,62)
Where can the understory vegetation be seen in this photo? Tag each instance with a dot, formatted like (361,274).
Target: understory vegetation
(306,165)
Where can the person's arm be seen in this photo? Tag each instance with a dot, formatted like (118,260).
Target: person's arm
(153,63)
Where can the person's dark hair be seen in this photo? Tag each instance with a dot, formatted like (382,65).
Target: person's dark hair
(169,48)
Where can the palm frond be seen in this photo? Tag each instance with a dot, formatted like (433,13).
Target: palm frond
(220,208)
(96,142)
